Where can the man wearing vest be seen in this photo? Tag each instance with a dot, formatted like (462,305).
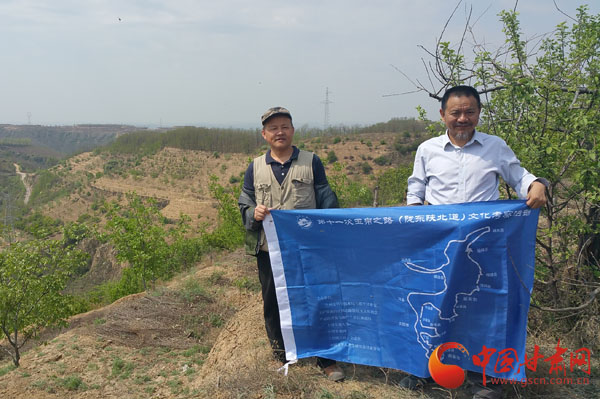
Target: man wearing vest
(283,178)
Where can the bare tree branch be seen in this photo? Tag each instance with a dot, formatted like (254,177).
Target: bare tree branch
(428,74)
(401,94)
(492,89)
(462,39)
(403,74)
(8,352)
(437,97)
(562,12)
(584,305)
(480,16)
(438,58)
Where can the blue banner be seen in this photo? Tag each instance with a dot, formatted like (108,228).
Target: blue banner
(385,286)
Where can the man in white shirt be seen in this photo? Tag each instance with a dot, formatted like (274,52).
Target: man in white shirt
(465,165)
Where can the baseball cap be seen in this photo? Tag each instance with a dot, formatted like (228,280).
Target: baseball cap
(273,112)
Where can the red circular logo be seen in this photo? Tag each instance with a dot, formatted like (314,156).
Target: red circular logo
(447,375)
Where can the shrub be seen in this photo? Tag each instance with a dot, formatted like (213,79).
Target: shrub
(382,160)
(366,168)
(331,157)
(349,193)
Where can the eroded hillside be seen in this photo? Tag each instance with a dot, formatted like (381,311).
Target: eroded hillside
(178,179)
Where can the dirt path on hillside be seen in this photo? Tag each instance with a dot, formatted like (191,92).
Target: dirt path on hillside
(25,178)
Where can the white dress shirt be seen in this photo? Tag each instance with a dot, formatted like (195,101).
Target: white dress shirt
(447,174)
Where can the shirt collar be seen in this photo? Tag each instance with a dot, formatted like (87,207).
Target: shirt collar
(477,138)
(269,159)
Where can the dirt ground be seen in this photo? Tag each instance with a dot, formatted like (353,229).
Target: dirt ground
(139,345)
(199,336)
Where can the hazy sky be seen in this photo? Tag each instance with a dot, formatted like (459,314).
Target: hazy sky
(201,62)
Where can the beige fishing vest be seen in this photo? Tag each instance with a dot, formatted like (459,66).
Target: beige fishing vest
(297,191)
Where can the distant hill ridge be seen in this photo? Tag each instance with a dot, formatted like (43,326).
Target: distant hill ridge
(246,141)
(67,139)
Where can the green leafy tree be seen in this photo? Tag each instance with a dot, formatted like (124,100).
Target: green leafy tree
(543,98)
(229,232)
(391,186)
(140,237)
(39,225)
(32,277)
(350,193)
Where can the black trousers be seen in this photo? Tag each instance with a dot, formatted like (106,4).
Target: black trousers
(271,309)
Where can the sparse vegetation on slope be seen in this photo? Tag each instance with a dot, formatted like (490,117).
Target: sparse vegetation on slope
(189,138)
(197,331)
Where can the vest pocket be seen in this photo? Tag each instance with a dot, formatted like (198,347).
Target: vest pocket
(303,193)
(263,194)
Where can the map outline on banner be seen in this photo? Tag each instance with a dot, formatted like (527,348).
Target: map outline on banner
(419,269)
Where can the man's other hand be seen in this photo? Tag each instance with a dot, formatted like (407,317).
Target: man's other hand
(536,196)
